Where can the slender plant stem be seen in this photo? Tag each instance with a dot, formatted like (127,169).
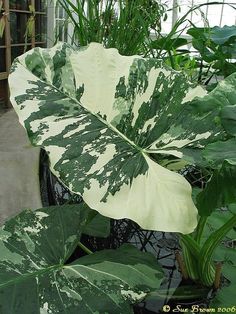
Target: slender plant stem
(84,248)
(217,276)
(181,264)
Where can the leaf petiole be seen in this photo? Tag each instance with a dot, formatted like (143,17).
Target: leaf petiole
(84,248)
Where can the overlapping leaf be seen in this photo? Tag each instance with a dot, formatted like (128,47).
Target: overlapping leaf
(217,153)
(99,115)
(220,190)
(229,119)
(225,254)
(215,43)
(34,278)
(99,226)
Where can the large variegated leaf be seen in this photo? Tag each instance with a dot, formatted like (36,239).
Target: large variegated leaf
(99,115)
(34,278)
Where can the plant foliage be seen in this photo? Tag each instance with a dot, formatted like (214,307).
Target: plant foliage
(217,46)
(124,25)
(35,278)
(103,118)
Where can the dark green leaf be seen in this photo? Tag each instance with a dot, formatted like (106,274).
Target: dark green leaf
(223,35)
(228,117)
(227,255)
(225,299)
(34,278)
(232,208)
(165,43)
(215,44)
(214,222)
(226,295)
(216,153)
(220,190)
(218,35)
(98,227)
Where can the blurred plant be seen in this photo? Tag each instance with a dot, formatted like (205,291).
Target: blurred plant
(29,31)
(215,53)
(217,48)
(125,25)
(2,19)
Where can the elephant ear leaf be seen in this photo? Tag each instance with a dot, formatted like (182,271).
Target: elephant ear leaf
(100,115)
(35,278)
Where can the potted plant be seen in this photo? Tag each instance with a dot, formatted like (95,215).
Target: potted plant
(116,130)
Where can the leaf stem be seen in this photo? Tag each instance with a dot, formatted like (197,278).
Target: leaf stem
(181,265)
(218,275)
(208,248)
(201,224)
(190,251)
(84,248)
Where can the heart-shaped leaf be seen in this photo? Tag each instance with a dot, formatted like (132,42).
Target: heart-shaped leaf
(34,247)
(100,115)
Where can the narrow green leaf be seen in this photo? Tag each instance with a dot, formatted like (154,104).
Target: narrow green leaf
(170,44)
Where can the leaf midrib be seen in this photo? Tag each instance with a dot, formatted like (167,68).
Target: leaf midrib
(108,125)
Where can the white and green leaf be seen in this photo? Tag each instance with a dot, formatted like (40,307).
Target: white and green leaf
(35,278)
(100,115)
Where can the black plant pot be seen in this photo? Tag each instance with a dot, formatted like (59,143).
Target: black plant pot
(160,244)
